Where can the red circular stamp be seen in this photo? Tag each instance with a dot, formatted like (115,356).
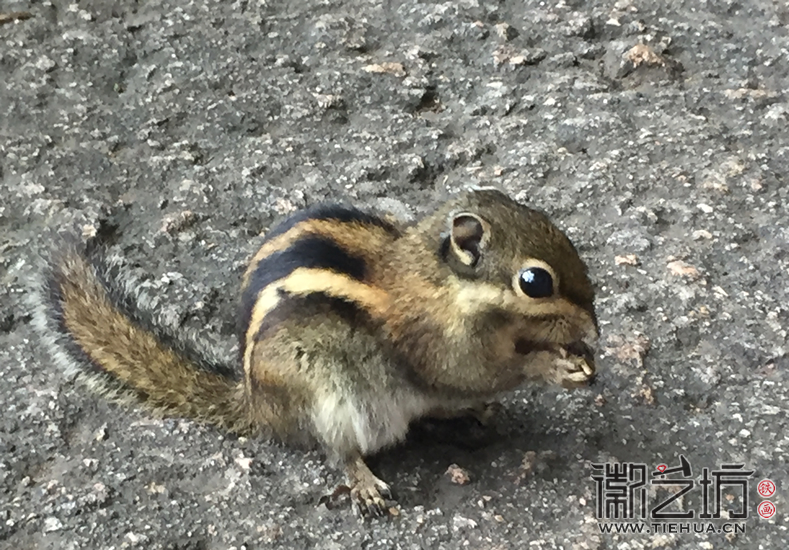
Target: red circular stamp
(766,509)
(766,488)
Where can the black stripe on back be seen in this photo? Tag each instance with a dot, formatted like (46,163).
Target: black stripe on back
(309,252)
(339,212)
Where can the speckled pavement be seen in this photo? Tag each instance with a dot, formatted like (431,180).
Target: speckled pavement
(654,133)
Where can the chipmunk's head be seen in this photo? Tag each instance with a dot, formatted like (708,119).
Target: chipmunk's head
(520,280)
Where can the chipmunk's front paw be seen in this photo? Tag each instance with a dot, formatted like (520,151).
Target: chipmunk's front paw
(574,371)
(484,413)
(571,365)
(487,413)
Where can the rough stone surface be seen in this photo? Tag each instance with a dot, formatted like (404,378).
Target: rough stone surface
(181,130)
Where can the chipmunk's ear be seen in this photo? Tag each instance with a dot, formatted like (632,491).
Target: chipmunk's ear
(468,235)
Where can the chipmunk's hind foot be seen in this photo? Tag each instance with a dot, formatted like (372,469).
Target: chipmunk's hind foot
(368,493)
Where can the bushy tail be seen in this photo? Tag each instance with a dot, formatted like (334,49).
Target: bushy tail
(94,325)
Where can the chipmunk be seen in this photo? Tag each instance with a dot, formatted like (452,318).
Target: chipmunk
(352,326)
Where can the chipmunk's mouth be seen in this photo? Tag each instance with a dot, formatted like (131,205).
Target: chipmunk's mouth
(579,348)
(582,350)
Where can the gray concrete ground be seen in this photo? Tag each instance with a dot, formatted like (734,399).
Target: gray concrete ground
(181,130)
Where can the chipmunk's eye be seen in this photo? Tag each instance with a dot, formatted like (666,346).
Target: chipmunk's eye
(536,282)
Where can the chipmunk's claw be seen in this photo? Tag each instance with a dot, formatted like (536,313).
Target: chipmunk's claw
(368,499)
